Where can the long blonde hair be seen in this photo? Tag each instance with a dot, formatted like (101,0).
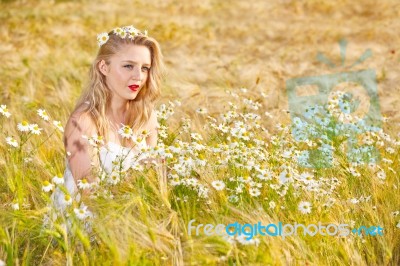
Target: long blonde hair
(98,95)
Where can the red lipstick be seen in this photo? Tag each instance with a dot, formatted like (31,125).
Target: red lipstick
(134,87)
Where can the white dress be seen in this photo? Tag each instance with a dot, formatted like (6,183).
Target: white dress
(108,154)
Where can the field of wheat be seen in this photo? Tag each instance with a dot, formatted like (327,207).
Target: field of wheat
(229,144)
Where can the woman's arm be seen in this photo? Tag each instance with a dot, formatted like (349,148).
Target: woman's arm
(78,149)
(152,127)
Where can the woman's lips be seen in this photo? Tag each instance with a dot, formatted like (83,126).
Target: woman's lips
(134,87)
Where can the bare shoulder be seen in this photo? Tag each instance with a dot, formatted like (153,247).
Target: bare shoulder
(78,124)
(152,123)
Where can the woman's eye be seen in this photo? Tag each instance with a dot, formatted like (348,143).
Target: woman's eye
(129,66)
(145,69)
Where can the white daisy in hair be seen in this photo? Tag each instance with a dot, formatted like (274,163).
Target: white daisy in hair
(102,38)
(118,31)
(123,34)
(132,30)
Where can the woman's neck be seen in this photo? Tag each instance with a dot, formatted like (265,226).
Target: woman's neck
(117,112)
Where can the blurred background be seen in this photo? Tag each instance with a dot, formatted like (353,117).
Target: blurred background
(209,46)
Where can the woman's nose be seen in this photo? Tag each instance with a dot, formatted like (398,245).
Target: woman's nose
(137,74)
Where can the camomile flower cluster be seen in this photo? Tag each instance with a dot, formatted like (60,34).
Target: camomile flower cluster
(25,127)
(265,165)
(122,32)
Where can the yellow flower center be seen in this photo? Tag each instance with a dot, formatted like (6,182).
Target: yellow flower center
(67,197)
(84,181)
(46,183)
(24,123)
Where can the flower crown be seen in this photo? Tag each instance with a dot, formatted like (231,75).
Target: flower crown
(123,32)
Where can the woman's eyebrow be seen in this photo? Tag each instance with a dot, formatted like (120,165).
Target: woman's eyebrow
(133,62)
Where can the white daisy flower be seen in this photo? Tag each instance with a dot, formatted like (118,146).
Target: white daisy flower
(28,160)
(114,178)
(67,200)
(118,31)
(123,34)
(58,179)
(82,212)
(218,184)
(196,136)
(272,204)
(98,139)
(47,186)
(381,175)
(102,38)
(233,198)
(398,225)
(354,201)
(125,131)
(94,140)
(191,182)
(23,126)
(4,111)
(254,192)
(131,29)
(390,150)
(15,206)
(35,129)
(304,207)
(202,111)
(58,125)
(83,184)
(42,113)
(12,142)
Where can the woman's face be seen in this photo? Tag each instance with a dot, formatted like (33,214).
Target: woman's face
(128,71)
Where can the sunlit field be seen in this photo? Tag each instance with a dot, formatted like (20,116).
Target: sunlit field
(230,148)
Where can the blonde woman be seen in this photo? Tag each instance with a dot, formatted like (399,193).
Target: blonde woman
(116,105)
